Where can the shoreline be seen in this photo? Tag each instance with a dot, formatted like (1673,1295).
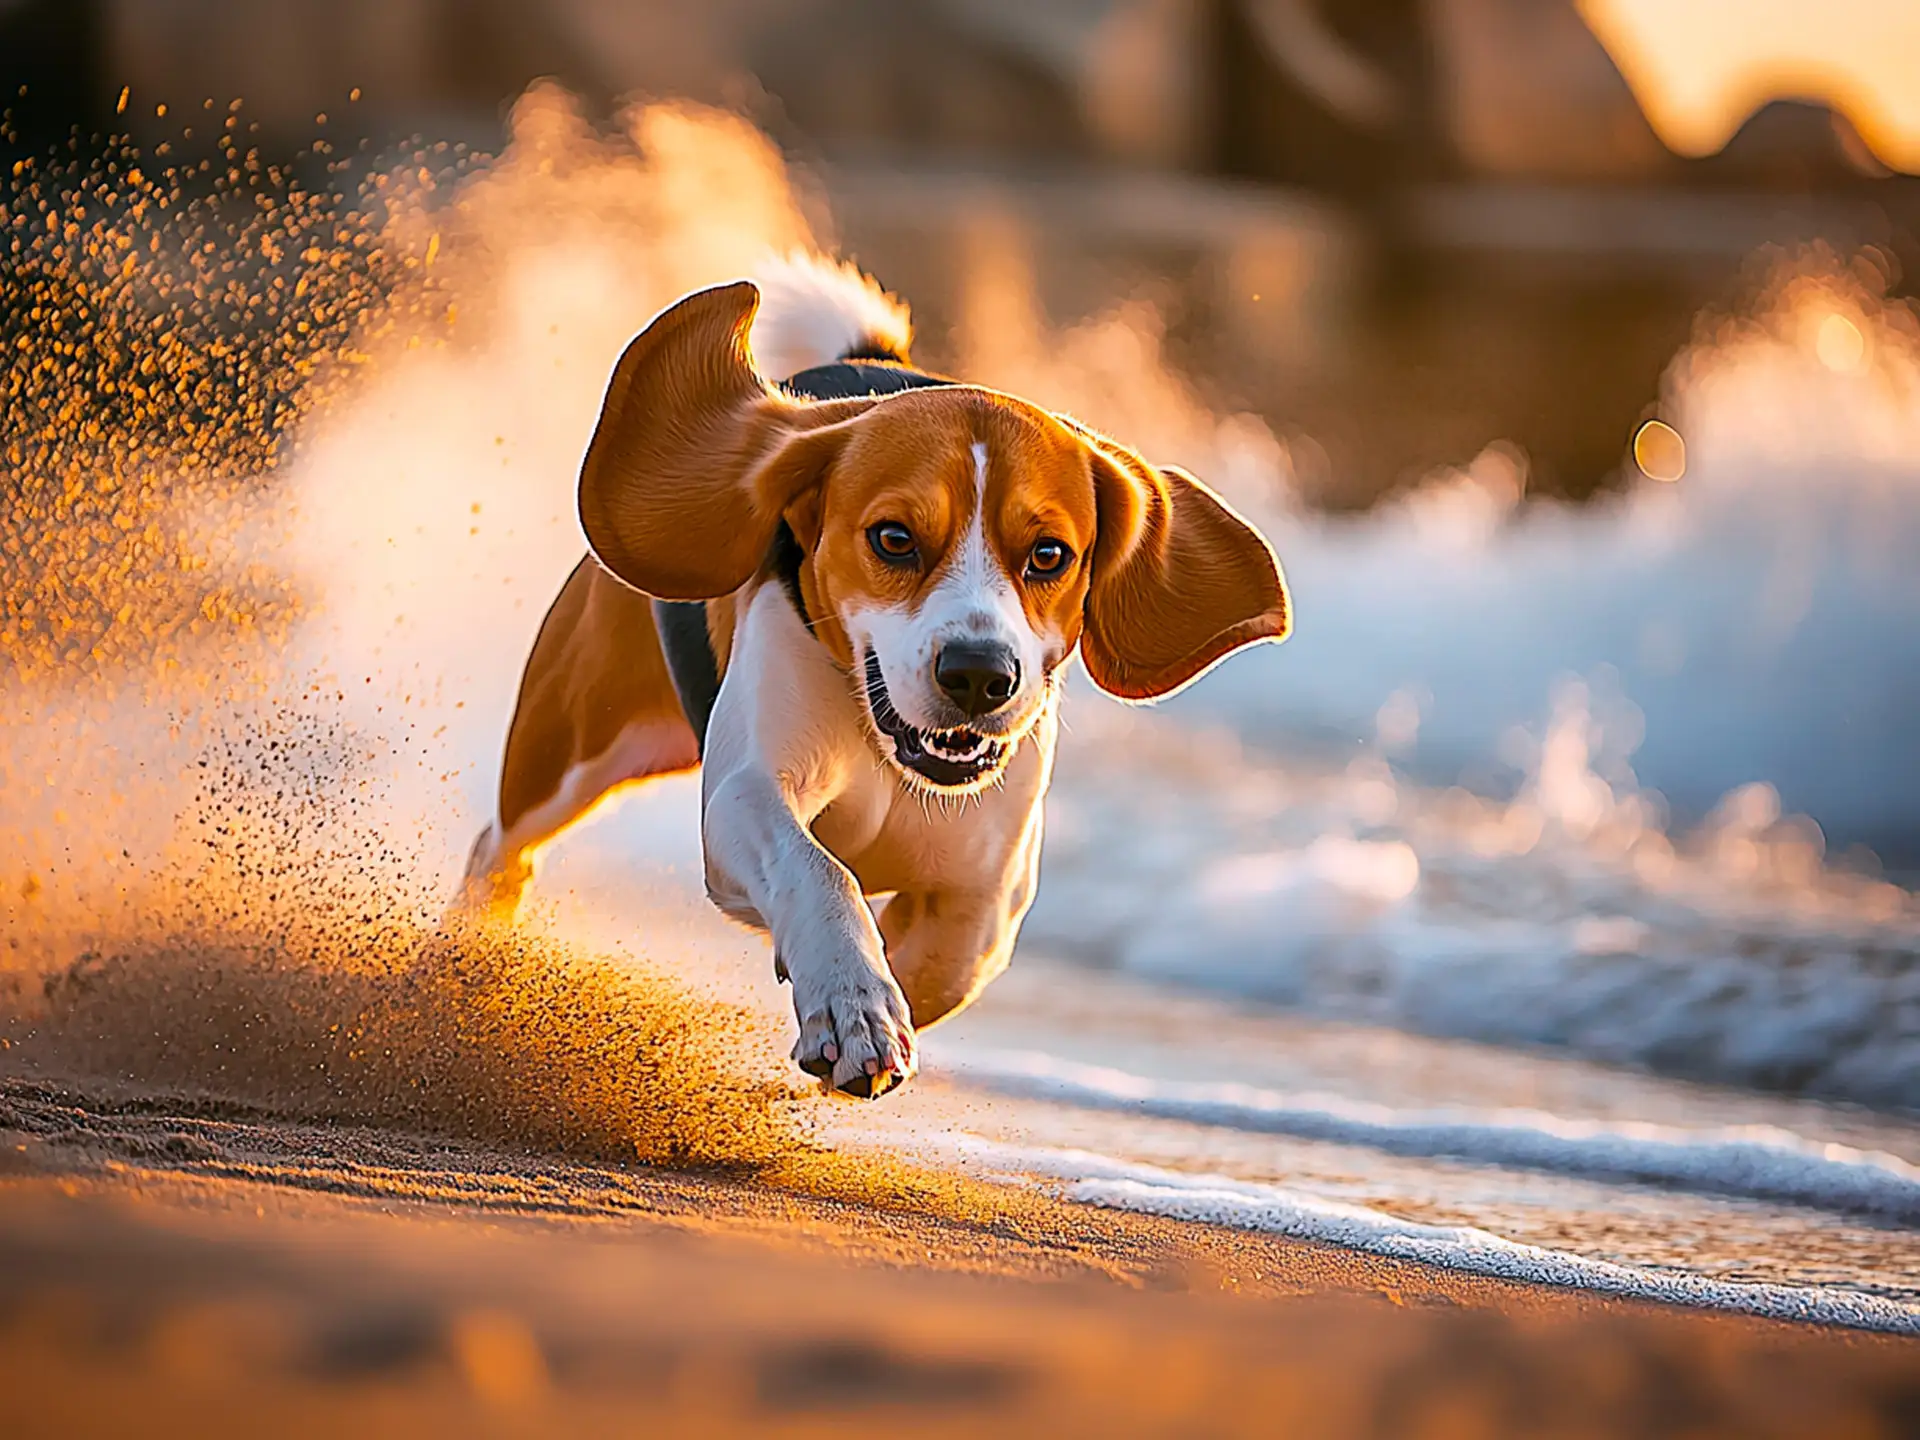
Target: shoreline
(210,1271)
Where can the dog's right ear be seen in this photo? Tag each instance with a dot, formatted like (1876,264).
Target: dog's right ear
(696,457)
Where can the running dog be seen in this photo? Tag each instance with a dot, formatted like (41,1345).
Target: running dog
(849,599)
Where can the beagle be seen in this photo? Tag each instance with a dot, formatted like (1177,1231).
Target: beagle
(849,600)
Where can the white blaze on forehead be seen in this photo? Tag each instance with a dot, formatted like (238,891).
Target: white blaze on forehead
(977,598)
(974,569)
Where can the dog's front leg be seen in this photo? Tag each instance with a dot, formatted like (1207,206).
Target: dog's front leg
(765,867)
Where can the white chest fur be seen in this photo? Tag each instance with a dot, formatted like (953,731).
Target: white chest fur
(787,711)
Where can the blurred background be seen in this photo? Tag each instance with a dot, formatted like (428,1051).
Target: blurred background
(1565,348)
(1398,229)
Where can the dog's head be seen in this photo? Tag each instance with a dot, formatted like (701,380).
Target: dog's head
(957,543)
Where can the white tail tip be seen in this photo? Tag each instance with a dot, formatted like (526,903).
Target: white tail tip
(814,311)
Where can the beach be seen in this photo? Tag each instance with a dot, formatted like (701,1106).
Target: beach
(221,1276)
(237,1227)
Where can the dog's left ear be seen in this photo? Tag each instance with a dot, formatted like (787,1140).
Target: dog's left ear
(1179,580)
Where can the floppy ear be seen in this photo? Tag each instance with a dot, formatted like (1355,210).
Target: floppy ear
(1179,580)
(696,456)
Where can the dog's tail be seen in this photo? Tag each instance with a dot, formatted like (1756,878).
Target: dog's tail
(814,311)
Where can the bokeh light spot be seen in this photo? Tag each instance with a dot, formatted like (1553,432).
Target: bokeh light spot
(1840,345)
(1660,452)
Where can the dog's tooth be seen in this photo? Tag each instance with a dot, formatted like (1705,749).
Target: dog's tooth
(960,744)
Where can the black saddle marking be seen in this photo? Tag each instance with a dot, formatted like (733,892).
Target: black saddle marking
(857,375)
(682,624)
(690,660)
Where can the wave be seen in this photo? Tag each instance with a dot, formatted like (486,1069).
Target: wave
(1758,619)
(1217,1200)
(1755,1162)
(1566,917)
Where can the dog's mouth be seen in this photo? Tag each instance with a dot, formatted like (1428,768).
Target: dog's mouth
(948,758)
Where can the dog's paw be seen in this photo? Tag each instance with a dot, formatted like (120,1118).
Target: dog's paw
(857,1034)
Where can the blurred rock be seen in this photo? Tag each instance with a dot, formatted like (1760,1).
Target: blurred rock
(1795,145)
(1531,94)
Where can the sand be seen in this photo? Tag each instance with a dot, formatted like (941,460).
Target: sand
(191,1266)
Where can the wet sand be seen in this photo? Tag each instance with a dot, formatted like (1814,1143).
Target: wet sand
(182,1266)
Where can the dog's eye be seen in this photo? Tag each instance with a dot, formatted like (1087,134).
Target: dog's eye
(892,542)
(1048,559)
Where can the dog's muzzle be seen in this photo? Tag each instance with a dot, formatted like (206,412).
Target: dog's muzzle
(949,758)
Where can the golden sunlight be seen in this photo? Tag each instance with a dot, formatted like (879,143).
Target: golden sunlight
(1839,344)
(1700,67)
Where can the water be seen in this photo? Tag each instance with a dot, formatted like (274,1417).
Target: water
(1359,1130)
(1753,623)
(1559,918)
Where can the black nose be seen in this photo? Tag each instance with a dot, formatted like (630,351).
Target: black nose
(977,677)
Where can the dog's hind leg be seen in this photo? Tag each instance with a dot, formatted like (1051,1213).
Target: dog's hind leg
(597,710)
(944,946)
